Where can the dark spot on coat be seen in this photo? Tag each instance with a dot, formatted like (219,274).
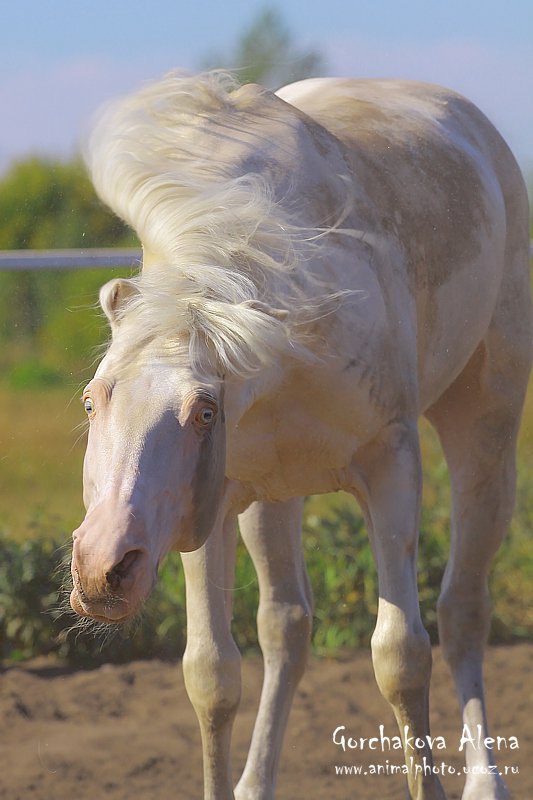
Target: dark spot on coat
(351,364)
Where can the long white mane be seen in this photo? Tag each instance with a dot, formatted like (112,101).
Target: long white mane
(222,242)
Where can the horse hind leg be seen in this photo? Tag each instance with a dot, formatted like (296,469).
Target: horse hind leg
(272,535)
(477,421)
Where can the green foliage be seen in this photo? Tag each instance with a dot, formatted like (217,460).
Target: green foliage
(46,203)
(50,204)
(28,589)
(343,577)
(265,54)
(75,329)
(60,344)
(32,374)
(35,618)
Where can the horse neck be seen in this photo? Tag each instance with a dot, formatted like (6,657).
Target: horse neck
(242,392)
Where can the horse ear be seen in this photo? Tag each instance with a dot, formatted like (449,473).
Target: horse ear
(113,296)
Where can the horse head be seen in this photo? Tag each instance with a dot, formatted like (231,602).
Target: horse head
(153,470)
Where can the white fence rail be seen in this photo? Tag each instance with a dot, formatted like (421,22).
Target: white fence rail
(90,258)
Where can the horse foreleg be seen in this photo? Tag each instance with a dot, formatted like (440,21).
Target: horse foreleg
(211,663)
(272,534)
(389,489)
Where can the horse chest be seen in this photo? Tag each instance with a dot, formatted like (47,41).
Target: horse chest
(279,466)
(298,443)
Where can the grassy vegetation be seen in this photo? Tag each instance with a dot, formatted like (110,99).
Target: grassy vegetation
(41,459)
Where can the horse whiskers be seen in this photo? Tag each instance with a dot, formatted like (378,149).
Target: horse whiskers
(65,550)
(103,632)
(83,427)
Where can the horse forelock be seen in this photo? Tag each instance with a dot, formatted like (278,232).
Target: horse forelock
(230,334)
(217,339)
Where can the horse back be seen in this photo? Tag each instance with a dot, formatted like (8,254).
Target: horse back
(444,204)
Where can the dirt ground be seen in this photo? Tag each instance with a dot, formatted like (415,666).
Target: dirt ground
(129,731)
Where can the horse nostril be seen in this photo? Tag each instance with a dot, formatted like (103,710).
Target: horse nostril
(120,571)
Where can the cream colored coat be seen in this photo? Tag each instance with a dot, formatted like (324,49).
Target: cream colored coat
(322,267)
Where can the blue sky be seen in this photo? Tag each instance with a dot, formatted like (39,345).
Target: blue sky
(60,59)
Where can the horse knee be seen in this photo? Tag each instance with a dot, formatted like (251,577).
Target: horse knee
(285,633)
(402,660)
(213,682)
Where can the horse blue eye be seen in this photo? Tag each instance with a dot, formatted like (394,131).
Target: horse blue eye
(88,405)
(205,416)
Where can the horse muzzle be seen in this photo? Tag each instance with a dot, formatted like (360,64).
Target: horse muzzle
(112,575)
(116,598)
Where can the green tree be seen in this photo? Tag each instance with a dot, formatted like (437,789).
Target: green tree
(48,204)
(265,53)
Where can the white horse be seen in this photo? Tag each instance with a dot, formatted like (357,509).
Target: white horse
(321,267)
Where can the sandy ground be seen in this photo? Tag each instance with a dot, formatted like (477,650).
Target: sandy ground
(129,731)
